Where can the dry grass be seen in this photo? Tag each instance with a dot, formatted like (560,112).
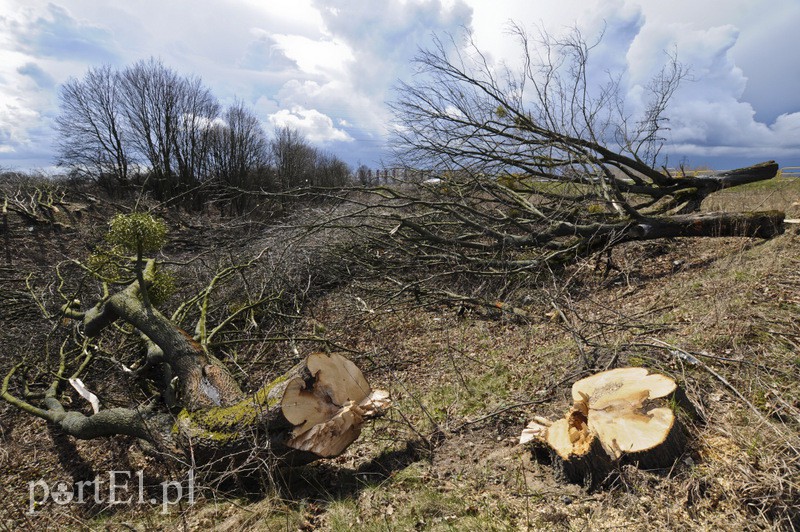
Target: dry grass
(465,382)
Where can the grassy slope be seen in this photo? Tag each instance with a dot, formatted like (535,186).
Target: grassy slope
(465,385)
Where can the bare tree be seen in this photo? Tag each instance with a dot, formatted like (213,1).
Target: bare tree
(294,158)
(197,111)
(544,159)
(364,175)
(330,171)
(149,105)
(170,121)
(149,121)
(300,165)
(239,156)
(93,136)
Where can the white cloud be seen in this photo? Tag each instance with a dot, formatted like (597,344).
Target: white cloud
(16,118)
(24,100)
(327,66)
(39,44)
(315,126)
(708,116)
(326,57)
(382,41)
(264,53)
(787,130)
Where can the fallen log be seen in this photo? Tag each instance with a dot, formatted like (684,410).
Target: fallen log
(766,224)
(761,224)
(618,416)
(315,410)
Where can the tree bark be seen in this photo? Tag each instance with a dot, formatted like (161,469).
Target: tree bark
(315,410)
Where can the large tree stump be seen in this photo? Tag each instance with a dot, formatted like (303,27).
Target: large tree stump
(618,416)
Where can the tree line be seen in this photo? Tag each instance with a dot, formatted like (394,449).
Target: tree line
(148,126)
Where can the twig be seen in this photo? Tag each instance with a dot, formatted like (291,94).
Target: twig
(278,339)
(784,333)
(691,359)
(576,336)
(500,411)
(721,359)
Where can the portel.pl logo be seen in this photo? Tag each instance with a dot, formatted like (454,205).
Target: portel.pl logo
(122,487)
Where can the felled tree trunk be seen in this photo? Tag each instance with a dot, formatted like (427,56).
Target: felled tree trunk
(202,380)
(765,224)
(315,410)
(618,416)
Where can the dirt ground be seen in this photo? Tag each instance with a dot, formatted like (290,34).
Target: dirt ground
(466,379)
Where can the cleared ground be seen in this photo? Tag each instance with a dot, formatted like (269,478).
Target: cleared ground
(466,380)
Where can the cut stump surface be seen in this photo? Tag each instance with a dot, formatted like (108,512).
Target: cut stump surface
(620,415)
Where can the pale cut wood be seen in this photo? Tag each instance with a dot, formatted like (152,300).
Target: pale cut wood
(331,437)
(315,410)
(327,414)
(617,416)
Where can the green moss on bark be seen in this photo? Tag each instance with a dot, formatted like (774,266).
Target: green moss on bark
(226,424)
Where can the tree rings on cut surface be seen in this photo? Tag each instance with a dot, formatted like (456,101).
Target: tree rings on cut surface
(617,416)
(328,409)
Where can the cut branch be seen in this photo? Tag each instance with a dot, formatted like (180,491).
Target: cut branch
(315,410)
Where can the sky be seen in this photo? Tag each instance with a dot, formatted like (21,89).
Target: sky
(328,68)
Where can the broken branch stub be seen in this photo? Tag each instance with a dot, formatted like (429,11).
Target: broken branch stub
(618,416)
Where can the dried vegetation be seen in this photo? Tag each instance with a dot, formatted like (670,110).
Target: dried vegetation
(717,315)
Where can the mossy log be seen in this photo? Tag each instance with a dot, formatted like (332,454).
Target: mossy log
(621,416)
(315,410)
